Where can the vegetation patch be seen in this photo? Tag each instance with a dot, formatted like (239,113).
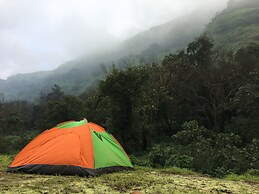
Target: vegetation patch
(142,179)
(147,181)
(5,160)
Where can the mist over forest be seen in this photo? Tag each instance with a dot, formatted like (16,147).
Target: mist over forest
(78,74)
(33,36)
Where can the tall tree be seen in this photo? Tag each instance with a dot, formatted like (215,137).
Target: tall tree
(123,88)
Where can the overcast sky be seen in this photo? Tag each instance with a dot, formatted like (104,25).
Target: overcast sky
(42,34)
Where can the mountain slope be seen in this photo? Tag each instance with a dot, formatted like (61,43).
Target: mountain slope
(169,37)
(76,76)
(236,26)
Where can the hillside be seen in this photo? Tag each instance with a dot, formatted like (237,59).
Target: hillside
(78,75)
(154,44)
(236,26)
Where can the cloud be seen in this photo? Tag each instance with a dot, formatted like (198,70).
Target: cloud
(40,35)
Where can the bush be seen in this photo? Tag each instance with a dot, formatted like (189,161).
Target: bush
(200,149)
(142,160)
(3,145)
(253,151)
(167,156)
(191,133)
(159,154)
(253,172)
(182,161)
(14,143)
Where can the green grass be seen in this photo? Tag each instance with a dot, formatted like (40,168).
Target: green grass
(143,179)
(244,177)
(5,160)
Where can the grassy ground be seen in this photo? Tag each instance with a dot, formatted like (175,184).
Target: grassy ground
(144,180)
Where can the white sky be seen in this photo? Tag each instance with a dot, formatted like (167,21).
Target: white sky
(42,34)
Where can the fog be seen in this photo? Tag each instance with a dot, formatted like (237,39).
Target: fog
(40,35)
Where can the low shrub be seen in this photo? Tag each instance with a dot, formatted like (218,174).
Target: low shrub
(182,161)
(142,160)
(199,149)
(13,143)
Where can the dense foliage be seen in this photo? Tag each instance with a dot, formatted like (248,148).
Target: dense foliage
(205,151)
(146,108)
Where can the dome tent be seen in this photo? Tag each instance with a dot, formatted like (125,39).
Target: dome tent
(72,148)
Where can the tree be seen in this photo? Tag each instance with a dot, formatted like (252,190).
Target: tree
(122,87)
(64,109)
(205,82)
(56,107)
